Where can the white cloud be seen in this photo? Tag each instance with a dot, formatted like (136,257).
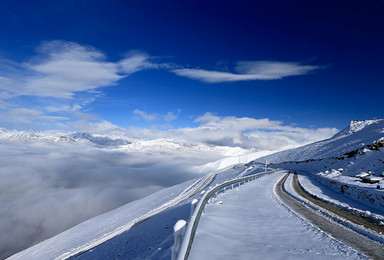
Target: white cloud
(144,115)
(99,127)
(66,71)
(67,68)
(249,70)
(169,116)
(263,134)
(60,69)
(134,62)
(27,116)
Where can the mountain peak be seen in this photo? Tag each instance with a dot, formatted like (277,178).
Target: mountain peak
(357,125)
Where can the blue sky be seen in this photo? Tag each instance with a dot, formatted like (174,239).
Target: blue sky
(166,64)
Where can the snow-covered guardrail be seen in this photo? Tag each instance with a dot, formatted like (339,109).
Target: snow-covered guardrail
(189,235)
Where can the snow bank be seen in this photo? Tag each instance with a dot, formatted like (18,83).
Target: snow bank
(313,187)
(370,196)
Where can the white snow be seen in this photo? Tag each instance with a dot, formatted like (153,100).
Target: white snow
(251,224)
(179,229)
(179,225)
(361,175)
(231,160)
(336,161)
(326,194)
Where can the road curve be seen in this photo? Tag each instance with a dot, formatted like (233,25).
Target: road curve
(361,243)
(354,218)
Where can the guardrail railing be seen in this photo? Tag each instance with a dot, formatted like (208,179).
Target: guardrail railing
(190,232)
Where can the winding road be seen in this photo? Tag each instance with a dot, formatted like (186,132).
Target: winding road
(341,233)
(249,223)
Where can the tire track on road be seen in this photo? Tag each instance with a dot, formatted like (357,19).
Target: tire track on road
(354,218)
(361,243)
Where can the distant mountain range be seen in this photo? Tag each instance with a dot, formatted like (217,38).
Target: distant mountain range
(116,142)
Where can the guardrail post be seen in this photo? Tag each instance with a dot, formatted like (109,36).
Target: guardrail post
(179,230)
(193,205)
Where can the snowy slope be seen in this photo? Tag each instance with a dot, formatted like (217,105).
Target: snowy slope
(357,136)
(336,161)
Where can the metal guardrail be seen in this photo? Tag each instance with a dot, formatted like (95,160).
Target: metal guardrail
(190,232)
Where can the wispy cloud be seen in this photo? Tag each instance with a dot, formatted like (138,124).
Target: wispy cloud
(27,116)
(169,116)
(249,70)
(61,79)
(144,115)
(61,69)
(64,68)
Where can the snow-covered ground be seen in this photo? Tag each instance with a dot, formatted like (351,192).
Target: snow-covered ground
(249,223)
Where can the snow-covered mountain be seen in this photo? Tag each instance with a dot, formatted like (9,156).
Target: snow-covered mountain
(354,149)
(350,163)
(119,142)
(61,137)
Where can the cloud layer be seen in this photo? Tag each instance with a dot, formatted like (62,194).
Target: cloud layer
(263,134)
(249,70)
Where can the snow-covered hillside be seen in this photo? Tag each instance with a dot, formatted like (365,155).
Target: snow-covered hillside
(359,135)
(351,162)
